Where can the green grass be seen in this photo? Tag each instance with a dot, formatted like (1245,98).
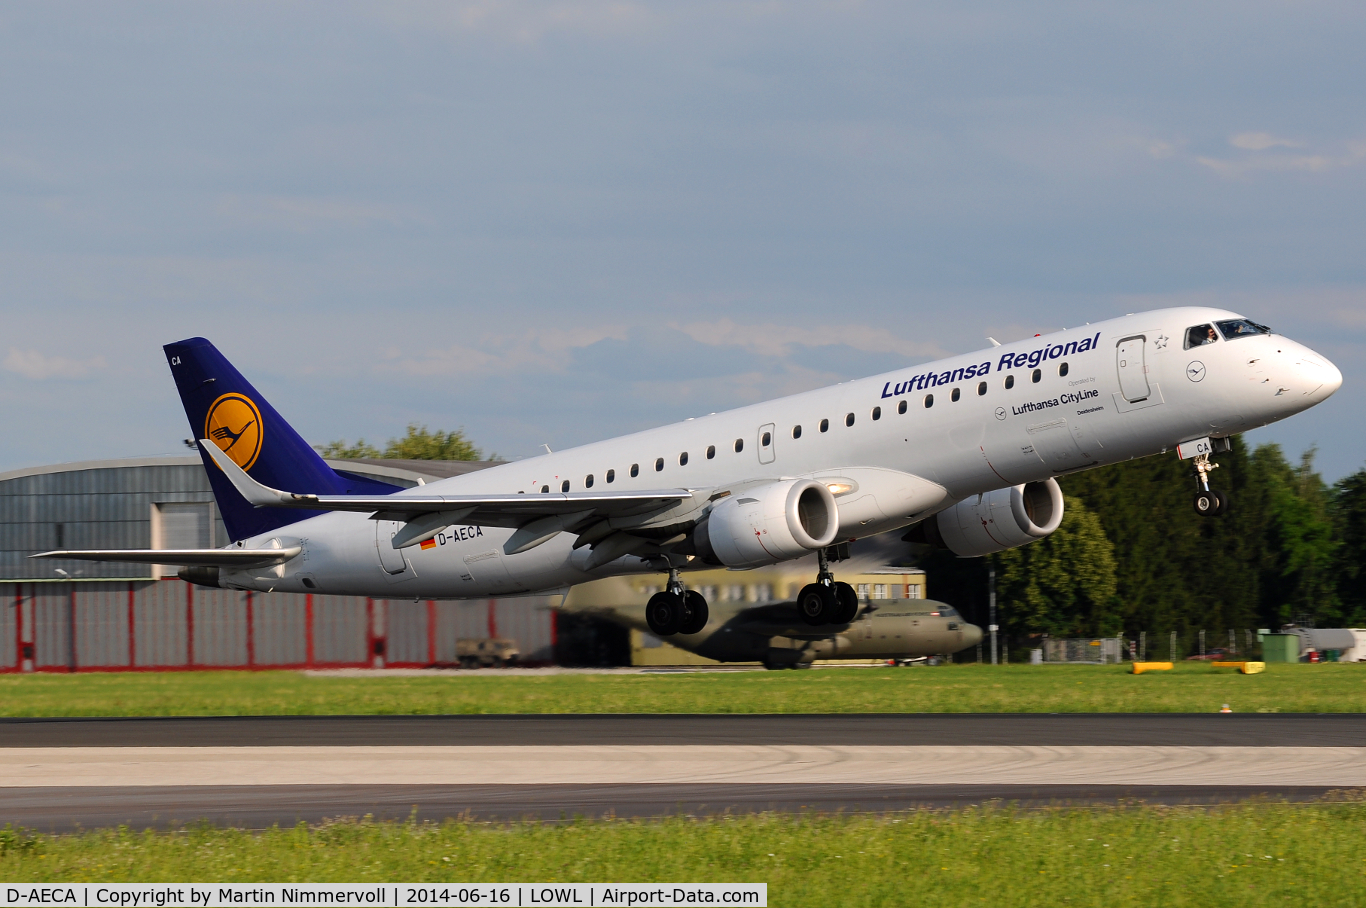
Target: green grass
(1191,687)
(1248,855)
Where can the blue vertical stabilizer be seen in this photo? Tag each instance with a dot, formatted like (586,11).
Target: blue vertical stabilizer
(223,407)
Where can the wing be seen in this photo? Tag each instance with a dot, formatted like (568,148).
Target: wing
(188,557)
(537,517)
(486,510)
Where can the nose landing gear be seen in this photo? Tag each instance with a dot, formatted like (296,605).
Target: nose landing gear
(827,601)
(675,610)
(1208,502)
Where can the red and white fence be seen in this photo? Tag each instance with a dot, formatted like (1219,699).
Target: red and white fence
(170,625)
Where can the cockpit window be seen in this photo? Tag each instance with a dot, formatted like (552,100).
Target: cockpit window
(1241,327)
(1200,335)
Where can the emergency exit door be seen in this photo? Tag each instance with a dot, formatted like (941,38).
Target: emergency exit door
(1131,358)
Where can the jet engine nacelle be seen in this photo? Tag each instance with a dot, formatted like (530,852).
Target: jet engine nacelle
(1001,519)
(769,523)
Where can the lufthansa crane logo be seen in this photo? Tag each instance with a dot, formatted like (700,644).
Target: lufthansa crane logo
(234,424)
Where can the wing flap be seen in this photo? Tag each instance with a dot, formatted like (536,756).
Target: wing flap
(183,557)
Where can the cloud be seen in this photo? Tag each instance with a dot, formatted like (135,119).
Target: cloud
(523,22)
(38,367)
(304,214)
(1262,157)
(1260,141)
(493,353)
(778,339)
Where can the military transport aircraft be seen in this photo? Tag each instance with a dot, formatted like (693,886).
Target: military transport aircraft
(968,447)
(775,634)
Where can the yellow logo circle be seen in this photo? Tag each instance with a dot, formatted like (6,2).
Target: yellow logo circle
(234,424)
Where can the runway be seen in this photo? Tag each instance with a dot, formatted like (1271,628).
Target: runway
(58,774)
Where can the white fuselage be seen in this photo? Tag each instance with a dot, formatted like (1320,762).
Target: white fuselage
(898,467)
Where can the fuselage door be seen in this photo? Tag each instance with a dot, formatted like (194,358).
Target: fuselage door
(766,443)
(1133,368)
(390,558)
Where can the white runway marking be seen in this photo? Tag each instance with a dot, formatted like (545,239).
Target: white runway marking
(713,764)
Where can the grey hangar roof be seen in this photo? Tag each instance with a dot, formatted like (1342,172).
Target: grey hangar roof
(138,502)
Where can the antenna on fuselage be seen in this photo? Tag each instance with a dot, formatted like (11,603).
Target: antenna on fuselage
(994,342)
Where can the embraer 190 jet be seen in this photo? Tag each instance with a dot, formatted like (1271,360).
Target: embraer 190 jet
(965,452)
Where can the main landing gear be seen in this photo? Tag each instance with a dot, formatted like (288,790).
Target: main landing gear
(675,610)
(827,601)
(1208,502)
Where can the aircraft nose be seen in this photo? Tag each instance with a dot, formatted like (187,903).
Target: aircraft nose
(1324,378)
(972,635)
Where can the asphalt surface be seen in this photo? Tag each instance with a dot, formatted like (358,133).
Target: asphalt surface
(58,808)
(256,807)
(1045,730)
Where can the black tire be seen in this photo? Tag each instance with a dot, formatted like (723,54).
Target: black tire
(664,614)
(846,603)
(1206,504)
(696,611)
(816,603)
(1221,508)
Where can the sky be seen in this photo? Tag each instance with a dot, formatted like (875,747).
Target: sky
(552,223)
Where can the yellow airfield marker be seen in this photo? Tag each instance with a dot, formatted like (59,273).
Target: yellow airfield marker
(1247,668)
(1141,667)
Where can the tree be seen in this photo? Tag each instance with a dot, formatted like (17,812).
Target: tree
(419,443)
(340,450)
(1064,584)
(1348,509)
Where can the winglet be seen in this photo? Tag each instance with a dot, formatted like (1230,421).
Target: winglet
(256,494)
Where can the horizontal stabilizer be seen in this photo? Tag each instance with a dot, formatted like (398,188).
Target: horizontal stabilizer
(229,558)
(501,510)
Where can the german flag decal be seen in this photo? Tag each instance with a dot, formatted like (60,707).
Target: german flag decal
(428,544)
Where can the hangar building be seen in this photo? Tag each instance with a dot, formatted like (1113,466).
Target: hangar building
(71,616)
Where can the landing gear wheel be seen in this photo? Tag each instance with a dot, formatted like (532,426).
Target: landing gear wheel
(816,603)
(1206,504)
(664,613)
(696,613)
(846,603)
(1221,508)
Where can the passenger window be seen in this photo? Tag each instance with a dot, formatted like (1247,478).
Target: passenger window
(1200,335)
(588,481)
(711,452)
(739,445)
(1010,382)
(1062,370)
(877,413)
(954,395)
(849,419)
(981,388)
(564,486)
(766,440)
(611,475)
(545,489)
(796,431)
(1038,374)
(659,464)
(929,401)
(901,407)
(825,425)
(635,470)
(683,459)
